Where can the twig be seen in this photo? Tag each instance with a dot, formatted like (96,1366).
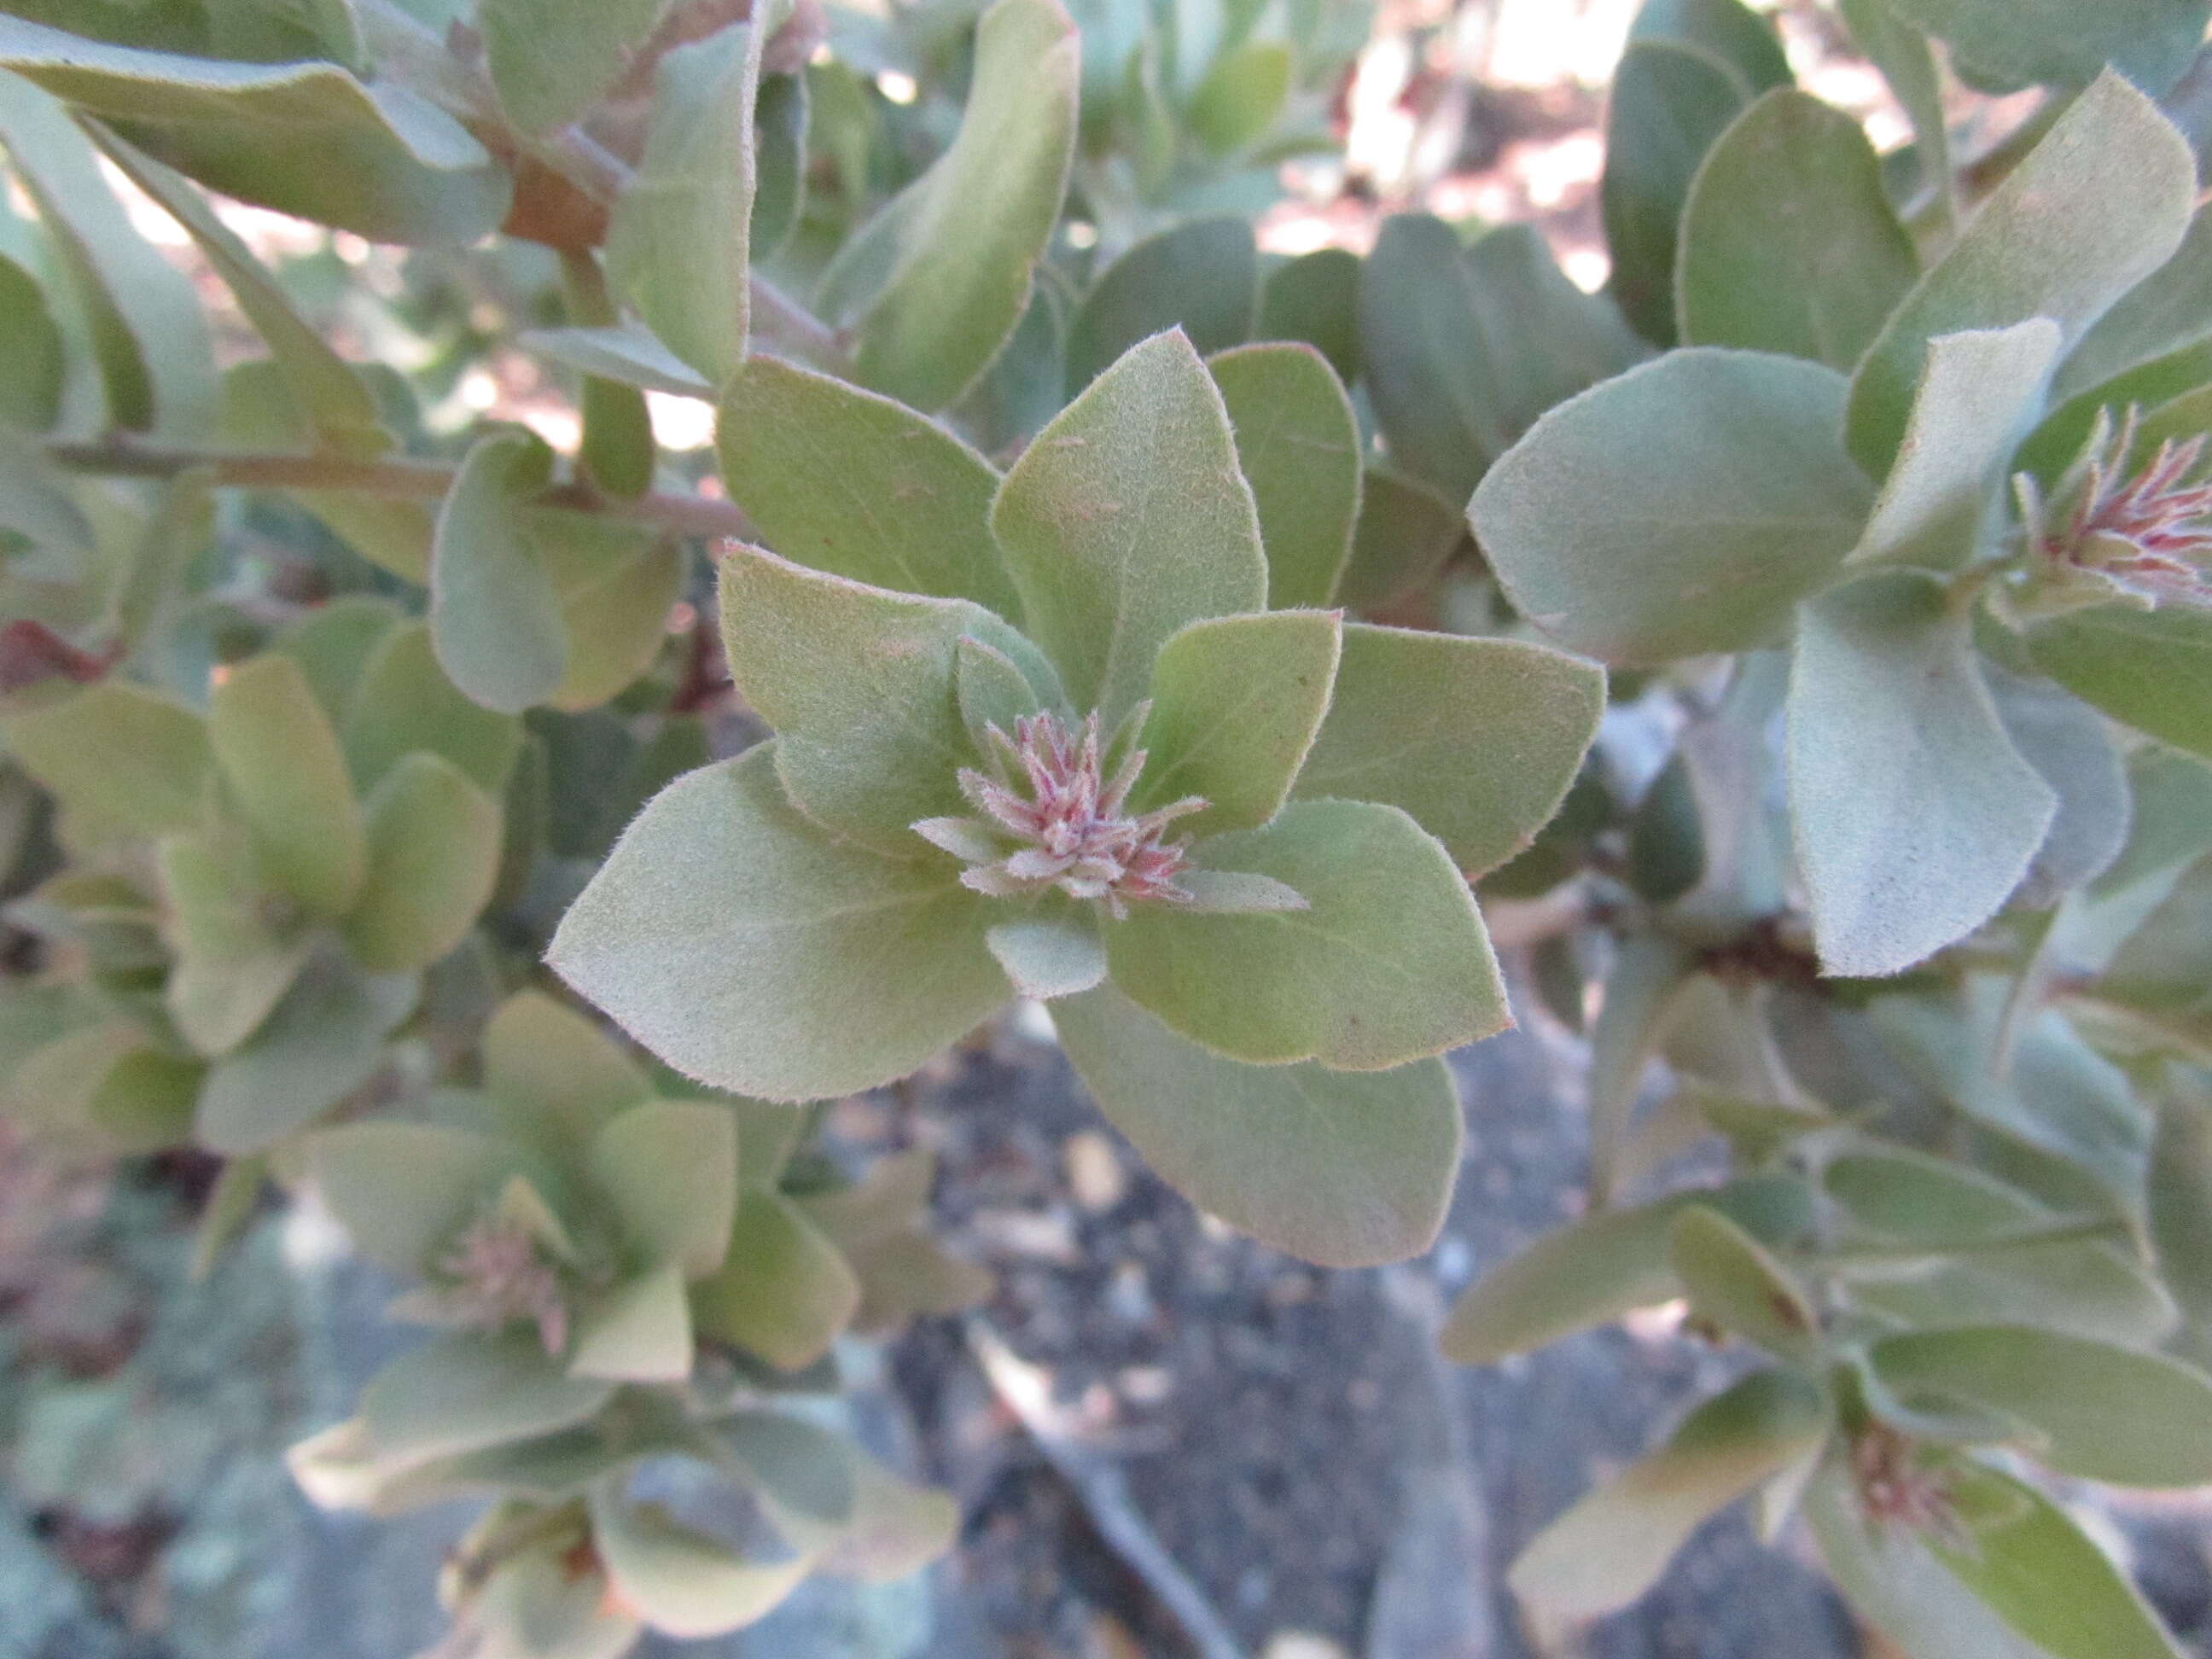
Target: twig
(1101,1489)
(402,480)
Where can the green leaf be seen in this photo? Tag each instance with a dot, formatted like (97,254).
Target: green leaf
(2147,669)
(405,1191)
(616,583)
(433,850)
(670,1167)
(1344,1169)
(322,1041)
(551,1061)
(2071,745)
(1202,277)
(2167,312)
(550,63)
(1670,105)
(2180,1201)
(31,342)
(148,337)
(779,161)
(1907,61)
(469,1390)
(144,1101)
(1126,518)
(287,776)
(740,943)
(1913,815)
(623,352)
(2067,1389)
(1236,701)
(2004,44)
(855,484)
(495,617)
(2098,205)
(304,138)
(2030,1565)
(125,757)
(1683,507)
(1599,1268)
(683,1582)
(1315,298)
(1241,96)
(332,644)
(1612,1546)
(1478,738)
(678,244)
(235,958)
(785,1292)
(1405,534)
(857,683)
(1733,1282)
(616,452)
(936,283)
(803,1475)
(1297,445)
(324,387)
(1788,242)
(1050,956)
(1725,29)
(1388,963)
(1426,358)
(1901,1197)
(638,1330)
(1978,394)
(405,702)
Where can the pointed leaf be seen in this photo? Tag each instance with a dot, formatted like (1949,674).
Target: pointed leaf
(1788,242)
(1977,395)
(1914,815)
(2100,203)
(2071,746)
(1341,1168)
(624,352)
(1126,518)
(1478,738)
(857,683)
(1236,703)
(2167,313)
(1612,1546)
(467,1390)
(639,1331)
(670,1167)
(550,1058)
(1683,507)
(847,481)
(1388,963)
(678,246)
(785,1291)
(948,262)
(282,762)
(736,940)
(1203,276)
(1600,1266)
